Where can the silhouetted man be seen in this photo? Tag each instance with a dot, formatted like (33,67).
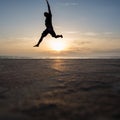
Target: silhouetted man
(49,28)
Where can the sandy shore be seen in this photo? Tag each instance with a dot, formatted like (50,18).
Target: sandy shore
(59,89)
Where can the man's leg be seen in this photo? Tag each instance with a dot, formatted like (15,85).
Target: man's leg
(57,36)
(54,34)
(42,36)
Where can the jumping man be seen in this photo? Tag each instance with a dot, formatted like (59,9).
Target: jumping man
(49,28)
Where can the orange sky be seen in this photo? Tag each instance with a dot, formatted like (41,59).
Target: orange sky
(90,29)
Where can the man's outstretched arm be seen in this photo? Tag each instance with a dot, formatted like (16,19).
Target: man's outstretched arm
(48,7)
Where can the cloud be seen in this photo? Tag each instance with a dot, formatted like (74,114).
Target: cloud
(70,4)
(24,38)
(72,32)
(110,50)
(92,34)
(108,33)
(85,42)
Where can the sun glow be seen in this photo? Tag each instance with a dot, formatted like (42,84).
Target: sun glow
(57,45)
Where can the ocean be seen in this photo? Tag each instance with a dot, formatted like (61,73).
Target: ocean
(59,89)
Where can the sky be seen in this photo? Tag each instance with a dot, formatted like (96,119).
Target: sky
(90,28)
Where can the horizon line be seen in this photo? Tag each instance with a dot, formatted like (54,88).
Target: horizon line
(90,57)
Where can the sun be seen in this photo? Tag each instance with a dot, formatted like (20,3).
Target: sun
(57,45)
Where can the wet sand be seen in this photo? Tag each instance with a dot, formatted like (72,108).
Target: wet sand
(60,89)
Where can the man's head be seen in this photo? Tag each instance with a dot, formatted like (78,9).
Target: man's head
(46,14)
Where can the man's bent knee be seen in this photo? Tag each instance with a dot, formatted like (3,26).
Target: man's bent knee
(44,33)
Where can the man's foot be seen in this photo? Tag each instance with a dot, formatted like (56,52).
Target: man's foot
(36,46)
(61,36)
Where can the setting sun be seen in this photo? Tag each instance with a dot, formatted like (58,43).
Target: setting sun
(57,45)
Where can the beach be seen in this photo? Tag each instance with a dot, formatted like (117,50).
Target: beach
(59,89)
